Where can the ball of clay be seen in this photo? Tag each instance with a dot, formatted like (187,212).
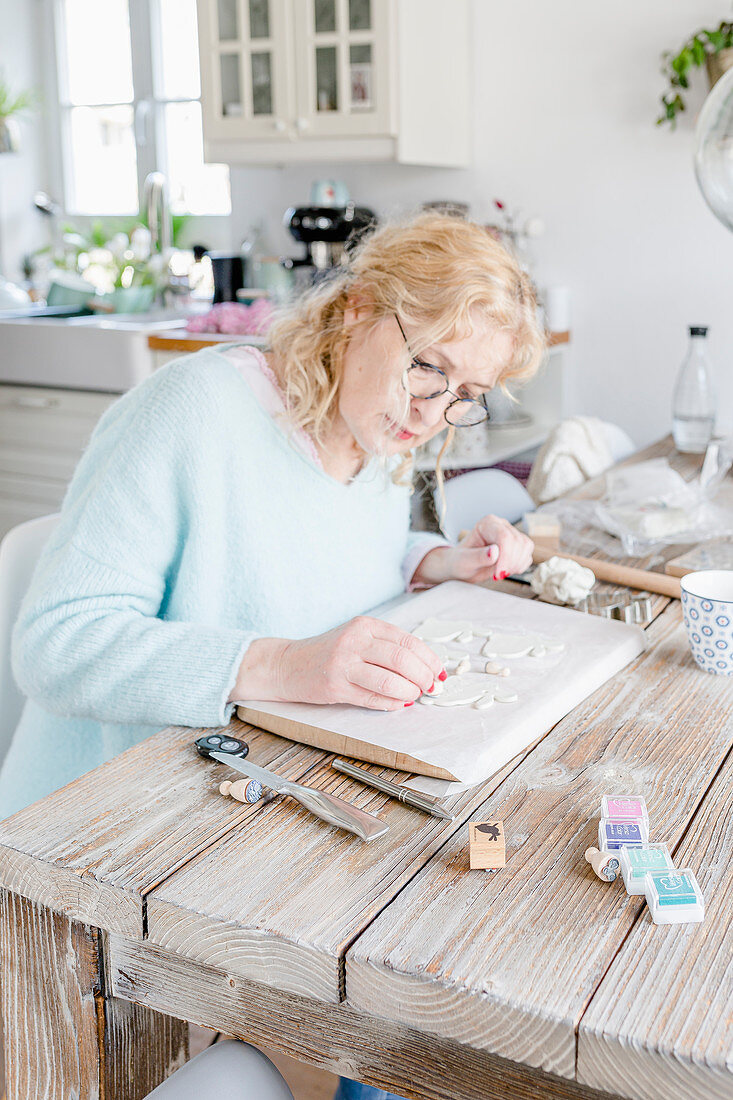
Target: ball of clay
(560,580)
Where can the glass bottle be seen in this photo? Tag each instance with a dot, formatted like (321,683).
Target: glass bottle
(693,404)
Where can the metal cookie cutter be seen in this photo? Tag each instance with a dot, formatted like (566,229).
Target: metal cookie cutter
(624,606)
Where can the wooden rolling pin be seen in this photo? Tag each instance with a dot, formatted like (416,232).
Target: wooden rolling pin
(643,579)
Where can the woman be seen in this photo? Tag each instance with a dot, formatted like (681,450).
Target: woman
(237,513)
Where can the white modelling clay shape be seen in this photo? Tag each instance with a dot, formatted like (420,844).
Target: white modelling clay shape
(484,702)
(464,665)
(441,630)
(459,692)
(506,696)
(508,645)
(440,651)
(562,580)
(538,651)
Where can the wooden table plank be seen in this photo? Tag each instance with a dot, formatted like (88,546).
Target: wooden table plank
(93,849)
(280,900)
(661,1022)
(333,1037)
(63,1037)
(508,963)
(283,900)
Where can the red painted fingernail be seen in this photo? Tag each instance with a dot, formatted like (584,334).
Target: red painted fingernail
(431,688)
(504,576)
(489,554)
(409,704)
(496,576)
(443,675)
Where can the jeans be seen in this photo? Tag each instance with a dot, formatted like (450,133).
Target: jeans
(352,1090)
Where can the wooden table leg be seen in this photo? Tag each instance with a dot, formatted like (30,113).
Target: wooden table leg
(64,1037)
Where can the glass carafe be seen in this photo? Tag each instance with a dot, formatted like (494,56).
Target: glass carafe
(693,404)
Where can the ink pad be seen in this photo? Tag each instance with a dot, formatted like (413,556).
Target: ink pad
(616,834)
(636,862)
(630,807)
(674,897)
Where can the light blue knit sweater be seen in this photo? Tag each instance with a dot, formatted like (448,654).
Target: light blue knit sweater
(192,526)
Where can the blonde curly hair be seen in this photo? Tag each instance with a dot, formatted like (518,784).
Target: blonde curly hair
(433,271)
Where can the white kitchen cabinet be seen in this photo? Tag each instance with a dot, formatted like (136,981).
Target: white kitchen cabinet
(321,80)
(43,433)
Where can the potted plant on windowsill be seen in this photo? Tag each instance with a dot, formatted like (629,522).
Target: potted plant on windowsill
(11,105)
(711,48)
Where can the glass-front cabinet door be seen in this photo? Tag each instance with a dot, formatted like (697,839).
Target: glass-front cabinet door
(342,67)
(246,58)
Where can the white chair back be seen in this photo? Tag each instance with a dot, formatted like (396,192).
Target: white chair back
(19,552)
(231,1070)
(478,493)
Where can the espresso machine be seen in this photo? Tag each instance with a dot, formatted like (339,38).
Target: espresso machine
(328,233)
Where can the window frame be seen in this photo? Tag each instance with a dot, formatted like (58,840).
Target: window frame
(148,109)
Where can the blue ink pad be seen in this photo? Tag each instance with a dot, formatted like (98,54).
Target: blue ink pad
(674,897)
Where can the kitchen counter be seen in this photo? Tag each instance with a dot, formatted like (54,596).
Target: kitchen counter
(182,340)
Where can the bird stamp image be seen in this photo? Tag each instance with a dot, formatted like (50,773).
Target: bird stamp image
(486,845)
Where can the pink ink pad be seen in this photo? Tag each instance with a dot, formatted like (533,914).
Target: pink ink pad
(625,807)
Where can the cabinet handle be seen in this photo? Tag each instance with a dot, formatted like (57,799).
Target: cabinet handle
(34,402)
(301,124)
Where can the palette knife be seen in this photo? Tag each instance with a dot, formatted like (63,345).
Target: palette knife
(326,806)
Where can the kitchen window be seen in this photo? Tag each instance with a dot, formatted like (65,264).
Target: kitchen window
(129,97)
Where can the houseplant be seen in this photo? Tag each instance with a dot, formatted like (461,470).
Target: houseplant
(117,260)
(711,48)
(10,105)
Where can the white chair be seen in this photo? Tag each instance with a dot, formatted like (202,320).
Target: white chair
(478,493)
(19,552)
(225,1071)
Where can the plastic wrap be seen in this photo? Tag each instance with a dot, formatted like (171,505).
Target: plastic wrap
(649,506)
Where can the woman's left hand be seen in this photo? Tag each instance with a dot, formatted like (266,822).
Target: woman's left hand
(492,551)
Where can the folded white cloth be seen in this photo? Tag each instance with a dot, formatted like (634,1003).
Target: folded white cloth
(576,450)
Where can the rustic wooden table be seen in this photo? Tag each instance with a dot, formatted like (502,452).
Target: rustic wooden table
(137,898)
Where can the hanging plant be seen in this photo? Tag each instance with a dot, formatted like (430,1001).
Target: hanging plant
(703,48)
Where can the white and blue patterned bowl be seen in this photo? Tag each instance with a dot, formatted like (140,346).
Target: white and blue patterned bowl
(707,609)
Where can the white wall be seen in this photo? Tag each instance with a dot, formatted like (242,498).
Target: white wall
(22,173)
(566,97)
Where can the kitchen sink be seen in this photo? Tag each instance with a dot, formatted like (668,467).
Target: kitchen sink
(153,321)
(109,354)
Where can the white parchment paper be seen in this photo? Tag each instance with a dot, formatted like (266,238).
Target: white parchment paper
(473,744)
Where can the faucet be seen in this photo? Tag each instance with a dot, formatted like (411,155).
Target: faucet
(160,224)
(155,201)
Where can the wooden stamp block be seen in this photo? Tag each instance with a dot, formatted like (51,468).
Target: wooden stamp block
(544,530)
(486,845)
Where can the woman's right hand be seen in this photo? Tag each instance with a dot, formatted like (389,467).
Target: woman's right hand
(365,662)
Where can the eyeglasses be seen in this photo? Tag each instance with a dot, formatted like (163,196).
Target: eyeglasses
(425,382)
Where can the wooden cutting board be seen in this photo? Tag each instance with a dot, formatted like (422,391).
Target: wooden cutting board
(462,743)
(716,554)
